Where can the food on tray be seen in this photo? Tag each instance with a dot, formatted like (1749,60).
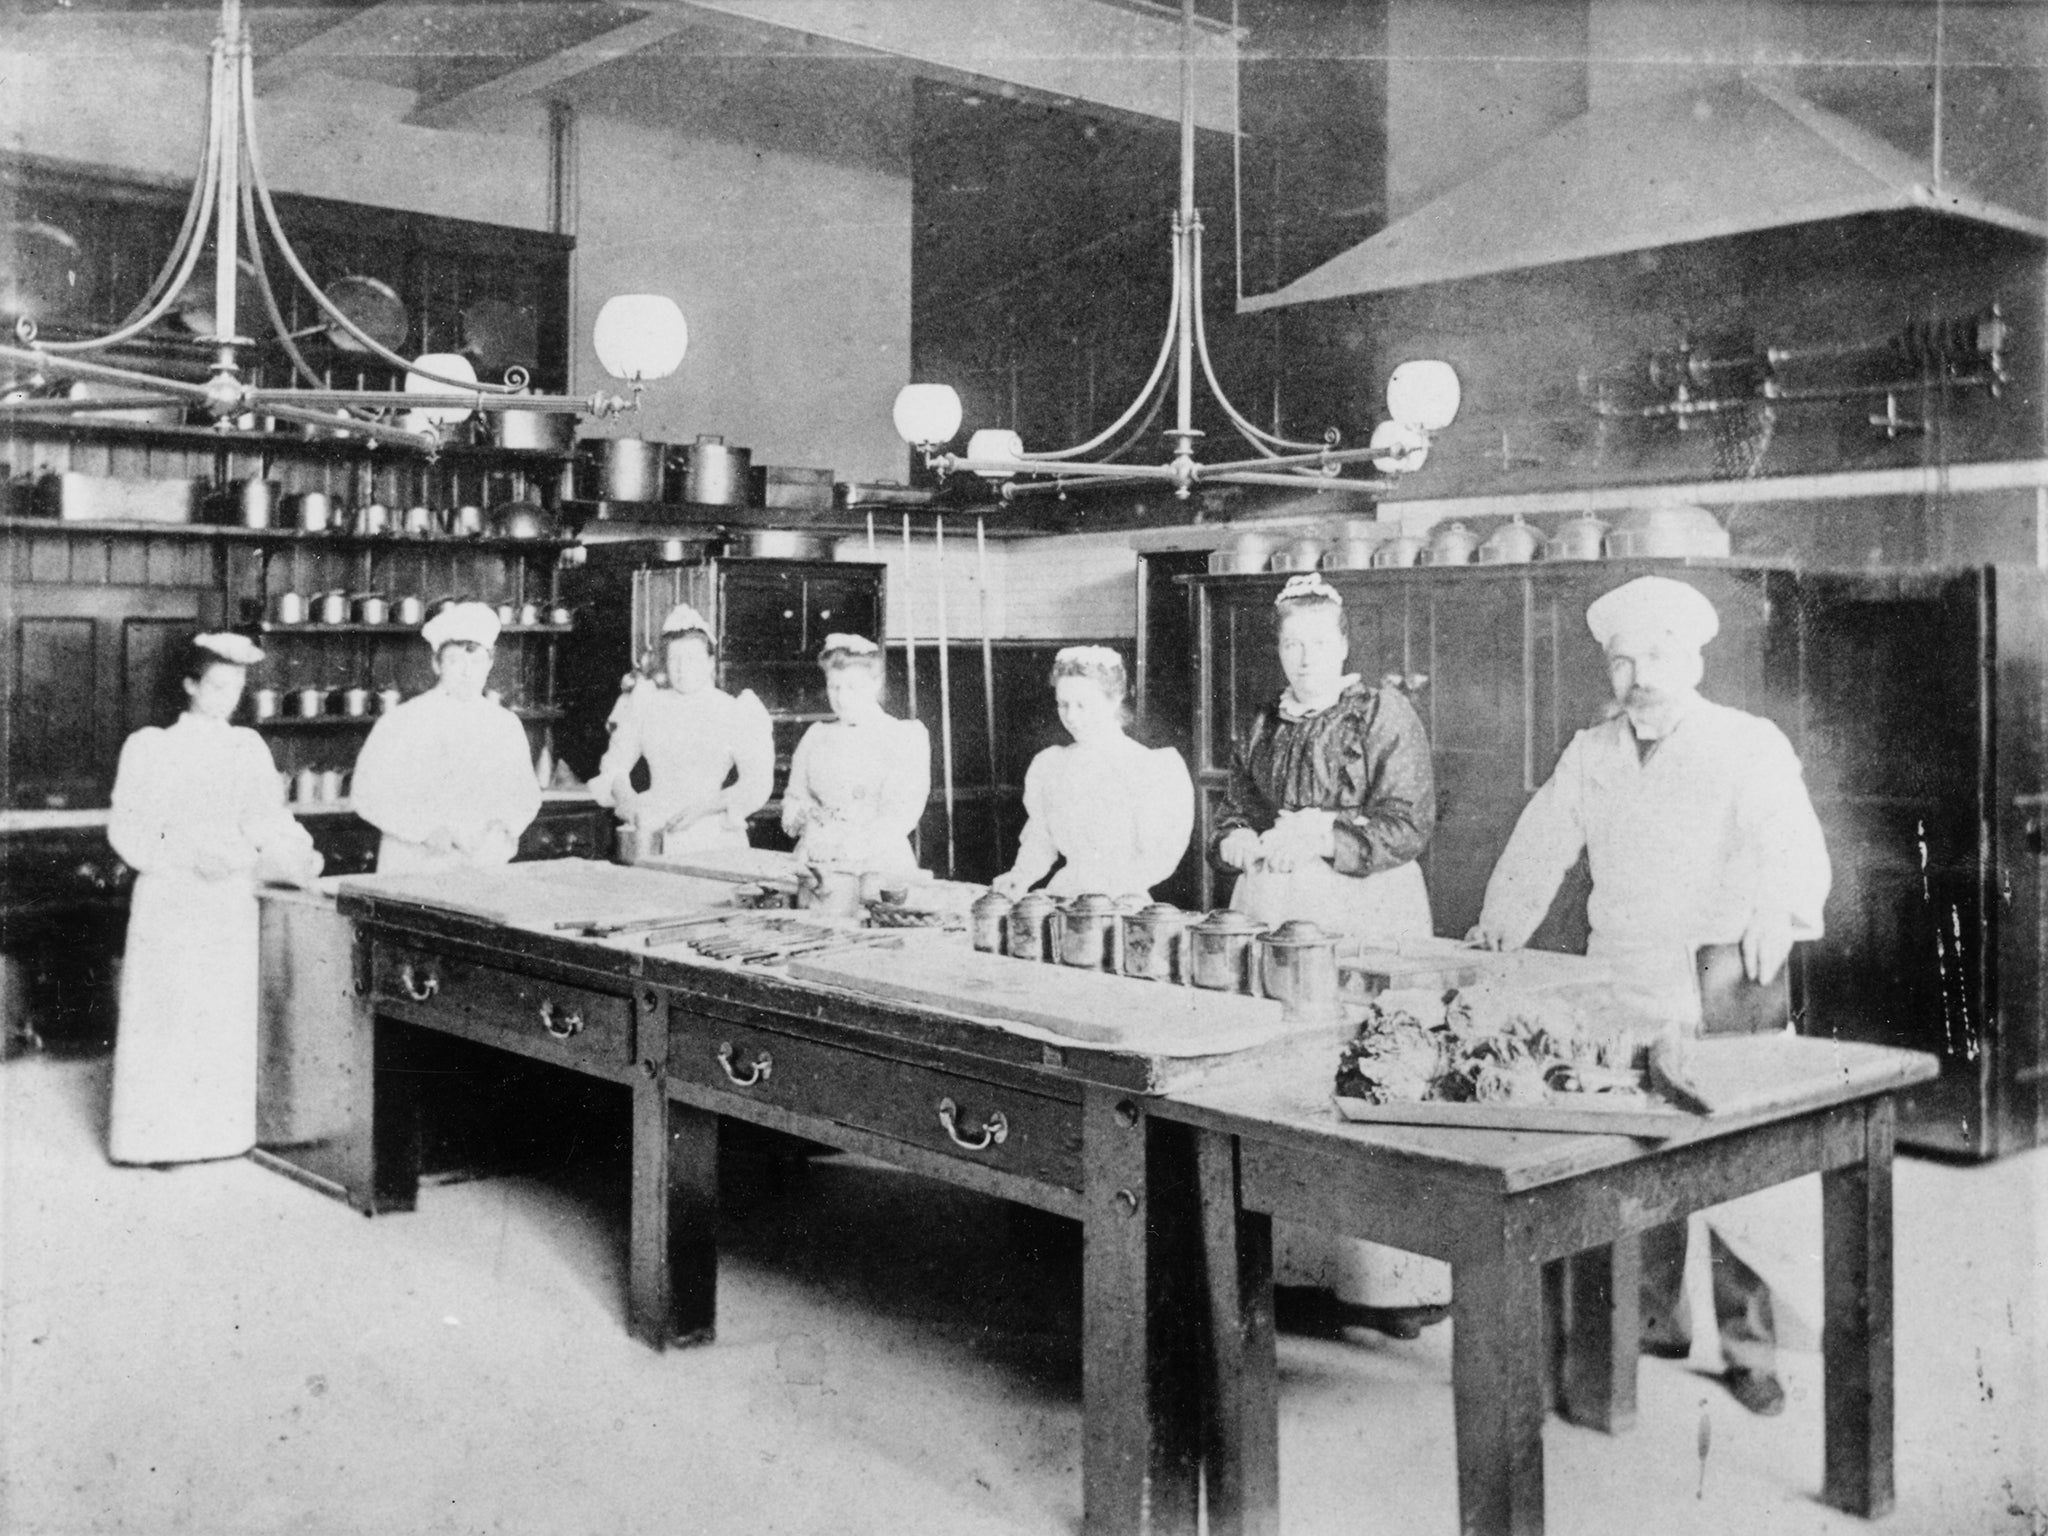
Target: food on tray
(1490,1045)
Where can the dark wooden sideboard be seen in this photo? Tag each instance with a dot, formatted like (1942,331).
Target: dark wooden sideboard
(1914,699)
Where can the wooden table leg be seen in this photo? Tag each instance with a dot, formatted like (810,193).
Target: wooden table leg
(1856,1328)
(1241,1440)
(1497,1387)
(394,1118)
(672,1259)
(1602,1325)
(1140,1341)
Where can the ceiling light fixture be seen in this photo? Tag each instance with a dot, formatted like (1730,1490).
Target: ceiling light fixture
(639,337)
(1422,397)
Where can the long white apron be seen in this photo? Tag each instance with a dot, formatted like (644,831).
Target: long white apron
(1381,908)
(185,1054)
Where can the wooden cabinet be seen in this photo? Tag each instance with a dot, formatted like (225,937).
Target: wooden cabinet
(1913,698)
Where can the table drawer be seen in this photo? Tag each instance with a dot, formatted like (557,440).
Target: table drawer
(574,1026)
(999,1127)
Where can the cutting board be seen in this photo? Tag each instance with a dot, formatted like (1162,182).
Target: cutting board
(1148,1016)
(545,893)
(1731,1077)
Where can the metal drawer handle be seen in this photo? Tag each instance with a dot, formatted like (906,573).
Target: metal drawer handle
(419,989)
(995,1130)
(571,1024)
(758,1071)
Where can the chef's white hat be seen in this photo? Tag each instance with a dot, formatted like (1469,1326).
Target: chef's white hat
(475,623)
(684,620)
(236,650)
(1654,605)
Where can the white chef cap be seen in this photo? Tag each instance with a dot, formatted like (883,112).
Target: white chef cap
(851,645)
(236,650)
(1308,587)
(475,623)
(1654,605)
(684,620)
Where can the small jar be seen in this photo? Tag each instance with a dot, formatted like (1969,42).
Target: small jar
(1087,929)
(1155,940)
(989,920)
(1031,926)
(1223,952)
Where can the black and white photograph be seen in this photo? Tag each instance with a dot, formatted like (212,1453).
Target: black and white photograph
(1023,767)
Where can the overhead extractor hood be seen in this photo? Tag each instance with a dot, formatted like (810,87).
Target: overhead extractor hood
(1695,165)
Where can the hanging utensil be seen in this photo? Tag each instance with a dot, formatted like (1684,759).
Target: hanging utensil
(374,308)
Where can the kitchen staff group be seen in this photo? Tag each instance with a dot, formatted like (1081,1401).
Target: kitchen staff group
(1692,816)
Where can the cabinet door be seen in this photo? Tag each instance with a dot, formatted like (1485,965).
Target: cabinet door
(840,602)
(761,613)
(85,667)
(1475,633)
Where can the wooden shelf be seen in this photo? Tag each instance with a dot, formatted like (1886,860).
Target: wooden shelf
(89,528)
(280,444)
(408,631)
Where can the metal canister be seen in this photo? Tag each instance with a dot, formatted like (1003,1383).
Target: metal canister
(1155,940)
(332,782)
(1030,926)
(306,785)
(989,920)
(1298,968)
(263,703)
(1087,933)
(1222,952)
(355,701)
(388,699)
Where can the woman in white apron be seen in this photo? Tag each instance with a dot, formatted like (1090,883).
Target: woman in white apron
(200,815)
(1119,813)
(1331,801)
(446,776)
(858,783)
(710,755)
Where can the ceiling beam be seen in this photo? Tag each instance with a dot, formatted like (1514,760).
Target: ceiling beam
(462,107)
(1093,51)
(353,32)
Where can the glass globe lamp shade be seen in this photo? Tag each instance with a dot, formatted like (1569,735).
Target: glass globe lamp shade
(997,444)
(640,336)
(448,365)
(1423,394)
(926,413)
(1401,447)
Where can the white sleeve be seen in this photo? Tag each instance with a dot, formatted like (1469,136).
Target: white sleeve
(1777,819)
(753,757)
(623,751)
(1547,841)
(909,786)
(1035,847)
(798,803)
(151,825)
(382,787)
(266,820)
(508,791)
(1165,815)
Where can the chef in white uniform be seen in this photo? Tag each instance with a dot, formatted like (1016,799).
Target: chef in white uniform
(710,755)
(1695,820)
(199,814)
(858,783)
(1119,813)
(445,776)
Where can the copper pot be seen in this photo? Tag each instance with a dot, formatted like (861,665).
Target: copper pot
(1402,549)
(1579,538)
(1452,544)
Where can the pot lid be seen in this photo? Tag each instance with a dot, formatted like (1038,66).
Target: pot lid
(1298,932)
(1229,921)
(1035,904)
(1091,905)
(990,899)
(1160,914)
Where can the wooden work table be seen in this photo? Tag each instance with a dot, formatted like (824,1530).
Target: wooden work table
(1174,1164)
(1499,1206)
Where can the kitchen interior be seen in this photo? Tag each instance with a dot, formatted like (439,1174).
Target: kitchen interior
(1753,294)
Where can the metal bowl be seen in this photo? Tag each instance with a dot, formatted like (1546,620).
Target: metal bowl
(1668,532)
